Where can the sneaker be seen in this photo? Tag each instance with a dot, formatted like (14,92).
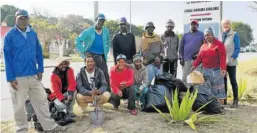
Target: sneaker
(58,129)
(133,112)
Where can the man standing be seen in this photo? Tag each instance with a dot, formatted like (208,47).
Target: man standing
(124,42)
(24,68)
(88,76)
(232,43)
(95,41)
(63,85)
(171,44)
(189,47)
(122,80)
(152,50)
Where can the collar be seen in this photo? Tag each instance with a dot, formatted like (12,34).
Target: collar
(27,28)
(122,33)
(148,36)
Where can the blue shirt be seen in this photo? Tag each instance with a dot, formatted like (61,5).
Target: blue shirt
(97,46)
(190,44)
(23,56)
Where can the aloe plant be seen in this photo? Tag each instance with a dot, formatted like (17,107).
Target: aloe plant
(241,87)
(183,112)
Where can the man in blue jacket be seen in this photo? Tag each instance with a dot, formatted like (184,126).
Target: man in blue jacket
(24,67)
(95,41)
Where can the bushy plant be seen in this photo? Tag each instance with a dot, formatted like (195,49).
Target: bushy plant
(183,112)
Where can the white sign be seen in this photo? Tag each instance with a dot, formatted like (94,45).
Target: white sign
(206,12)
(203,11)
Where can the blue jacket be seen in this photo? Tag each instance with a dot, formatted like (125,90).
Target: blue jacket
(87,37)
(23,56)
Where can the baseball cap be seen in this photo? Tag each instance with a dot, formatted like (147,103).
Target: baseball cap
(21,13)
(195,21)
(121,56)
(122,20)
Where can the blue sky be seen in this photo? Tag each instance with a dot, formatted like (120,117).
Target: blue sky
(142,11)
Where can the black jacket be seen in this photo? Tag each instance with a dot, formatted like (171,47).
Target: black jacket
(124,44)
(83,86)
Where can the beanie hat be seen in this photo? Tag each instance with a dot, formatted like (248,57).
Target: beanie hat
(137,57)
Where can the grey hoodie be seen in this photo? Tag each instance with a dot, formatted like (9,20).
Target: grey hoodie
(140,77)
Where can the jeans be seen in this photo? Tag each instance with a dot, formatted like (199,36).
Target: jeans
(142,96)
(127,93)
(170,67)
(152,71)
(232,76)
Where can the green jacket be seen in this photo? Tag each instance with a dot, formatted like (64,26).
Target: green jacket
(85,40)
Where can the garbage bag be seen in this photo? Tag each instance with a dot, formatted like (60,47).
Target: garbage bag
(155,96)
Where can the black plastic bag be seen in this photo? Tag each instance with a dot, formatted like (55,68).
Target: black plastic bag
(155,96)
(169,81)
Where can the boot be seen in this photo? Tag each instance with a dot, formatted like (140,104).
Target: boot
(235,104)
(225,101)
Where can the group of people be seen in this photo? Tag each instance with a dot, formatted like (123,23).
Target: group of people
(131,74)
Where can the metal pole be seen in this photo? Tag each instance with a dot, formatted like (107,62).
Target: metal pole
(95,9)
(130,16)
(221,15)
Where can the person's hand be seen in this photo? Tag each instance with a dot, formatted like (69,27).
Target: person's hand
(232,59)
(91,92)
(14,85)
(97,92)
(70,97)
(223,73)
(192,68)
(40,76)
(181,61)
(123,85)
(119,93)
(157,61)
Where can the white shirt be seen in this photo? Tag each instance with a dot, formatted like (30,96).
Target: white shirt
(24,33)
(90,75)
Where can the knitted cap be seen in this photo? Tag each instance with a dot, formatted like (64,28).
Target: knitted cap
(170,23)
(122,20)
(137,57)
(208,31)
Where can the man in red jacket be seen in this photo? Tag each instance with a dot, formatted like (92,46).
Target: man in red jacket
(122,79)
(63,85)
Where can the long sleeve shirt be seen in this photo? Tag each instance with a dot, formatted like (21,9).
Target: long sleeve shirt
(190,45)
(22,54)
(212,57)
(116,77)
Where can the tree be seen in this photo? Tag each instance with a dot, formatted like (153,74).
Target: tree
(244,31)
(254,6)
(8,13)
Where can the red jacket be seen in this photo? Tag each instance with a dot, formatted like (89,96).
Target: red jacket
(56,85)
(116,77)
(212,57)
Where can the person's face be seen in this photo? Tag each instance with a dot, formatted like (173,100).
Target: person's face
(193,26)
(169,28)
(150,29)
(226,26)
(90,63)
(63,66)
(123,27)
(121,64)
(100,23)
(22,21)
(208,37)
(138,64)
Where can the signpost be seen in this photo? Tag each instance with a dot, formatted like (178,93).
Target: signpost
(208,14)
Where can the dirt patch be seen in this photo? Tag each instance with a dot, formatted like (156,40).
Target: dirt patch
(240,120)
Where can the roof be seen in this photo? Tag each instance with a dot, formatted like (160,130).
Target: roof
(4,30)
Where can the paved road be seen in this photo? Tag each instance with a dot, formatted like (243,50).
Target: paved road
(6,104)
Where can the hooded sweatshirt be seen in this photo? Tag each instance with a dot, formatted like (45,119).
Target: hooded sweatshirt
(140,77)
